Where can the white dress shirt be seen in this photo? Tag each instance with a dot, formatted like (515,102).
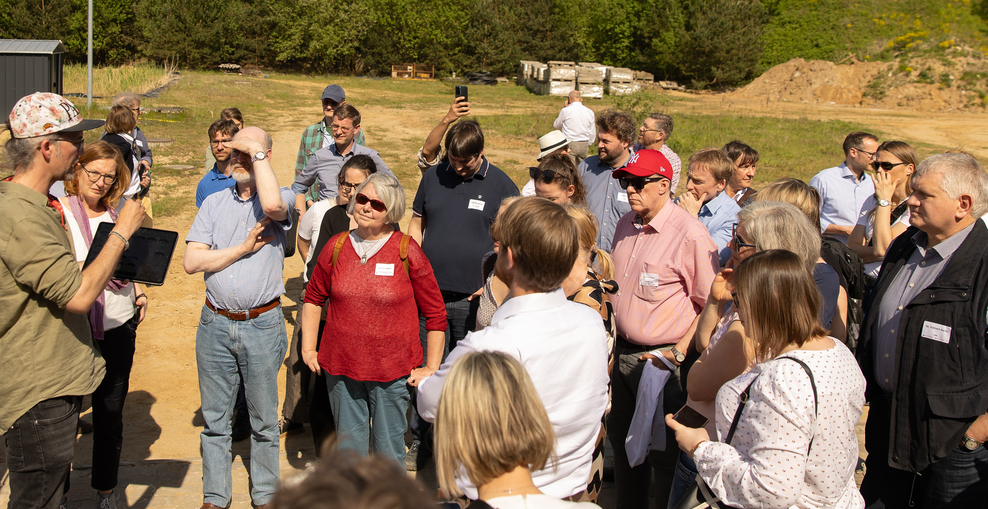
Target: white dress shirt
(563,346)
(577,122)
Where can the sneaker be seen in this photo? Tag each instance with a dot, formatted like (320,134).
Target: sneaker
(241,427)
(285,426)
(106,502)
(416,456)
(84,428)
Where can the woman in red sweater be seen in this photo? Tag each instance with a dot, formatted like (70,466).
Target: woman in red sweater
(371,346)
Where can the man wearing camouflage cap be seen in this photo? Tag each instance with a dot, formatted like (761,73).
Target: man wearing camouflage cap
(48,358)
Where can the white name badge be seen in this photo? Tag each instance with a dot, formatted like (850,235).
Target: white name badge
(476,205)
(384,269)
(648,279)
(622,197)
(936,332)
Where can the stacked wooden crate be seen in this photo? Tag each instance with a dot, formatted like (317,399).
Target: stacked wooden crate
(621,81)
(526,68)
(561,78)
(643,79)
(590,79)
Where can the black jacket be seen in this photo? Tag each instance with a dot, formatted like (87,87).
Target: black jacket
(939,388)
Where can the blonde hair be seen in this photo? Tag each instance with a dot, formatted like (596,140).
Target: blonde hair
(120,120)
(779,301)
(794,192)
(586,230)
(490,420)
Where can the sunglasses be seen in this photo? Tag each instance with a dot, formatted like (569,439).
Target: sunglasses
(637,182)
(884,165)
(377,205)
(544,175)
(737,239)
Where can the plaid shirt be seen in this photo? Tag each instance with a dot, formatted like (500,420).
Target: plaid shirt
(312,140)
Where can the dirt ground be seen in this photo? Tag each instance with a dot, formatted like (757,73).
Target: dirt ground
(162,414)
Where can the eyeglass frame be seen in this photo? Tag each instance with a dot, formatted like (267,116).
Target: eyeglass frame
(378,205)
(89,175)
(626,182)
(344,130)
(737,238)
(78,143)
(216,143)
(875,165)
(546,176)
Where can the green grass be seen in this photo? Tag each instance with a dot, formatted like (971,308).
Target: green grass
(109,81)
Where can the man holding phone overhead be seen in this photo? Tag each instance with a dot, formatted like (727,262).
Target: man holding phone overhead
(432,153)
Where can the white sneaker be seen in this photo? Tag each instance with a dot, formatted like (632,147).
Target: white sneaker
(106,501)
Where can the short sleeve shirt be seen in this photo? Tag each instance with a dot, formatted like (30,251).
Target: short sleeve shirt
(458,214)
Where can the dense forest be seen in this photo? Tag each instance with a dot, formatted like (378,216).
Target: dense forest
(702,43)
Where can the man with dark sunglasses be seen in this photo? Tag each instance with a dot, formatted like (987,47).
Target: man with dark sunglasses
(615,134)
(664,264)
(847,192)
(47,355)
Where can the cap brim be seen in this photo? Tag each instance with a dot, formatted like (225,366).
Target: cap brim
(85,125)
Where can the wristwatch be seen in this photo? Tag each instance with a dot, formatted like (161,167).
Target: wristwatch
(678,355)
(884,203)
(258,156)
(970,443)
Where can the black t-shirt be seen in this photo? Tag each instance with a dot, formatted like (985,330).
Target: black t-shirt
(458,214)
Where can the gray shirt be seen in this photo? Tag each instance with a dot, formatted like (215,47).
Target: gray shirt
(605,198)
(326,164)
(922,268)
(255,279)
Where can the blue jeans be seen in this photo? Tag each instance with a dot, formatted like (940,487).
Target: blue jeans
(256,348)
(357,403)
(39,447)
(682,479)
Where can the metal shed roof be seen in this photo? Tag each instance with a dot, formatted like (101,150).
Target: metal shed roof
(30,46)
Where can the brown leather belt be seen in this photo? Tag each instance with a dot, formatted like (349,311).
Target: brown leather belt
(250,314)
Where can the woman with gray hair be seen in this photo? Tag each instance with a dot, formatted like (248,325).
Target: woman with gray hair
(375,282)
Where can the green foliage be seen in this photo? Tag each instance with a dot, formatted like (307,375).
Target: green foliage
(319,35)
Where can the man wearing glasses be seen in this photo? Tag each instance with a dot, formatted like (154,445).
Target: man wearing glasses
(319,135)
(325,163)
(664,264)
(218,178)
(654,134)
(846,191)
(48,358)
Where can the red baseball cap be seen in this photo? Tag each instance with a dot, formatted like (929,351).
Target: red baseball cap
(645,163)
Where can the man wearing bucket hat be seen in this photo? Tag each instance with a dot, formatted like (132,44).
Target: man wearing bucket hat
(49,360)
(548,145)
(664,264)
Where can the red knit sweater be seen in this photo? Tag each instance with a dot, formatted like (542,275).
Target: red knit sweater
(372,326)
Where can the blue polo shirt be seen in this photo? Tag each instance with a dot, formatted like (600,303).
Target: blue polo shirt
(211,182)
(719,216)
(458,213)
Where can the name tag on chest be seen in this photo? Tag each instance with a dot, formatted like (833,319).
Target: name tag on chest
(475,205)
(622,197)
(936,332)
(384,269)
(648,279)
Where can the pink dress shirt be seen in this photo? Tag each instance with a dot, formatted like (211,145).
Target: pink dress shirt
(664,272)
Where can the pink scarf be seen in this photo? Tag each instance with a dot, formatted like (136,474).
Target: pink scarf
(95,312)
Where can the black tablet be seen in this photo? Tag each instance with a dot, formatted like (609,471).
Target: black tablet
(147,259)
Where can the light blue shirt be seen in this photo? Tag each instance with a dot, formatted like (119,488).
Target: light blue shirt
(719,216)
(212,182)
(326,163)
(255,279)
(844,198)
(605,198)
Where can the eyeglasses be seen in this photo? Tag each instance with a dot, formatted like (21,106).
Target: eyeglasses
(344,130)
(737,239)
(377,205)
(637,182)
(216,143)
(544,175)
(94,176)
(77,142)
(885,165)
(349,186)
(870,154)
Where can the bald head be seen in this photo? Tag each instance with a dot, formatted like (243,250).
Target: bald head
(575,96)
(257,134)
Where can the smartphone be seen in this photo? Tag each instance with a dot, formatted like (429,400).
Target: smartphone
(690,418)
(461,91)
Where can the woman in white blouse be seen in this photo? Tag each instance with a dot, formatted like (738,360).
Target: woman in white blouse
(794,445)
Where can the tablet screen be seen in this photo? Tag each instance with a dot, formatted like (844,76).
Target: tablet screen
(147,259)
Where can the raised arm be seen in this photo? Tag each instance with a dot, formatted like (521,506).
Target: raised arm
(430,149)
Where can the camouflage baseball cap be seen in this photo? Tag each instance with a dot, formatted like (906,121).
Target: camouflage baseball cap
(44,113)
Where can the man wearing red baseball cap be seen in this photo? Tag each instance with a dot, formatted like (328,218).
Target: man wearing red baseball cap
(49,361)
(664,264)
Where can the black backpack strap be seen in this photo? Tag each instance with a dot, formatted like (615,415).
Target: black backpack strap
(816,404)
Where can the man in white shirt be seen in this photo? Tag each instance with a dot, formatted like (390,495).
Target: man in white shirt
(576,121)
(562,344)
(847,192)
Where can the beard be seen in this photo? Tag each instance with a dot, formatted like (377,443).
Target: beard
(222,156)
(241,175)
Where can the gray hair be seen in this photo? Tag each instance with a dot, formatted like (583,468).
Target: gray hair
(19,152)
(959,174)
(664,123)
(777,225)
(389,190)
(126,99)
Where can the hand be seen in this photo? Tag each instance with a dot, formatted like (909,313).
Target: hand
(130,218)
(254,241)
(722,286)
(419,374)
(311,359)
(245,145)
(687,438)
(145,181)
(690,203)
(146,165)
(657,362)
(459,108)
(476,294)
(884,185)
(142,307)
